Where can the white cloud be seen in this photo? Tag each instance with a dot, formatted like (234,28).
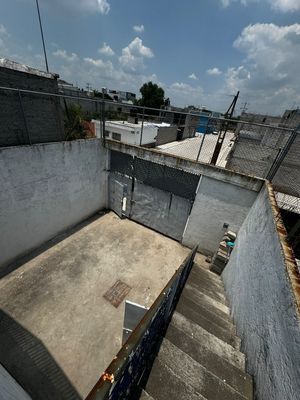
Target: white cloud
(65,56)
(3,37)
(183,94)
(106,50)
(193,76)
(91,6)
(133,55)
(214,71)
(3,30)
(278,5)
(138,28)
(269,76)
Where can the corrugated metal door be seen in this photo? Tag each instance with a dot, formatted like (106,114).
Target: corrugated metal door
(160,210)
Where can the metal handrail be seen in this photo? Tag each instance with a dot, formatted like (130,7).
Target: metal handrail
(113,374)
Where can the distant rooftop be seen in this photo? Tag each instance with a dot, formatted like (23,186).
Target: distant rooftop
(5,63)
(139,124)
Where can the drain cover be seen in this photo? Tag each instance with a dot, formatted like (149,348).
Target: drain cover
(116,294)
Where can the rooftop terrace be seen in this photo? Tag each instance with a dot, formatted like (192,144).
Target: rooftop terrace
(57,296)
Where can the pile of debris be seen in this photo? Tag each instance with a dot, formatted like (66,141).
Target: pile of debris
(221,257)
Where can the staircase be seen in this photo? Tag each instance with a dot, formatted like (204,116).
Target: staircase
(199,357)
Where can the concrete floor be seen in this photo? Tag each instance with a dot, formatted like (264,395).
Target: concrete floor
(57,297)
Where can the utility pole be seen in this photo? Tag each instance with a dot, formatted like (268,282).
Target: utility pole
(223,129)
(42,35)
(244,107)
(88,87)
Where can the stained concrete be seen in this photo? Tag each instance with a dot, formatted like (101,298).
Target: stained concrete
(216,203)
(57,296)
(47,188)
(263,303)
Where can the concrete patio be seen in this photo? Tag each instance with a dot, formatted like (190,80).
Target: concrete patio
(56,300)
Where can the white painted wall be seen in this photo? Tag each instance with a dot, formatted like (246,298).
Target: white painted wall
(216,203)
(130,133)
(263,305)
(47,188)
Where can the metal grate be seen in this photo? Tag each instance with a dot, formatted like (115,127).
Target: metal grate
(172,180)
(160,176)
(122,163)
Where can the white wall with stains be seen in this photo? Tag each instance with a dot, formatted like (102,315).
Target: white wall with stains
(47,188)
(263,305)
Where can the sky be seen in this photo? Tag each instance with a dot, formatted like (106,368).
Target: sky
(200,52)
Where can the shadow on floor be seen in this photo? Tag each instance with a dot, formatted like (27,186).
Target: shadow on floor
(30,363)
(50,243)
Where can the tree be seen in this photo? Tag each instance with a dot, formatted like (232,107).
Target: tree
(153,96)
(73,121)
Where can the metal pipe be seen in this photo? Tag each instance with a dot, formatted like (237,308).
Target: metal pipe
(200,148)
(283,153)
(142,129)
(42,34)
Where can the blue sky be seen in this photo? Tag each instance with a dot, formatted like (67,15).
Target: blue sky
(201,52)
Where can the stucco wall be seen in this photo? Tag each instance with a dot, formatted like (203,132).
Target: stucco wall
(47,188)
(257,281)
(216,203)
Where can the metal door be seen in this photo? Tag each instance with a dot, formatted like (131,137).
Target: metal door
(119,194)
(160,210)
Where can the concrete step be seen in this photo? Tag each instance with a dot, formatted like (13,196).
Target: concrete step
(195,375)
(207,287)
(207,274)
(220,306)
(145,396)
(209,313)
(214,363)
(166,384)
(209,340)
(205,301)
(207,321)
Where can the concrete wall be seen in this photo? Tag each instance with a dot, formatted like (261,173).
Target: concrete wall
(41,118)
(216,203)
(46,189)
(222,196)
(262,283)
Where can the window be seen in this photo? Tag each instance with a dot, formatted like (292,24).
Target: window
(106,133)
(116,136)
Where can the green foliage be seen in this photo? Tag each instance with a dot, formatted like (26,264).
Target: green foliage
(73,119)
(153,96)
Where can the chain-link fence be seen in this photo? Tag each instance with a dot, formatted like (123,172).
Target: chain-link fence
(266,151)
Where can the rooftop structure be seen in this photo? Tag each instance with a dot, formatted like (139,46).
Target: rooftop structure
(199,148)
(88,224)
(144,133)
(63,298)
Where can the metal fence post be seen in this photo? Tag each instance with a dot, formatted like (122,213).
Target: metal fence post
(103,119)
(142,129)
(274,168)
(24,118)
(201,145)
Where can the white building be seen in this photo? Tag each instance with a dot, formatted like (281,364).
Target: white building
(145,134)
